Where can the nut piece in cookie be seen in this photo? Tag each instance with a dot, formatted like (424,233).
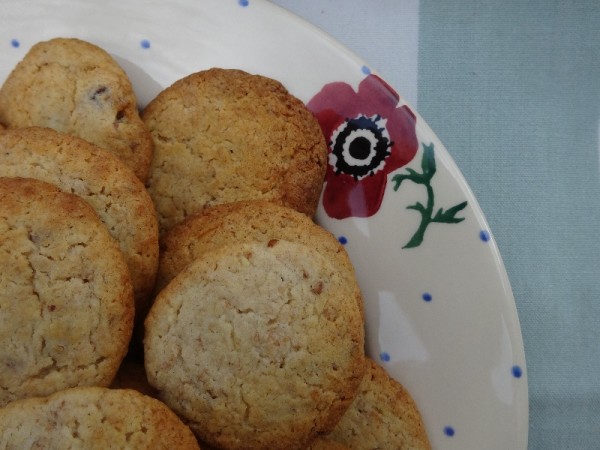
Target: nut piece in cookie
(77,88)
(257,346)
(383,415)
(103,181)
(224,135)
(93,418)
(66,300)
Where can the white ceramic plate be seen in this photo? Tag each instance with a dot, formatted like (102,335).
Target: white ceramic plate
(440,314)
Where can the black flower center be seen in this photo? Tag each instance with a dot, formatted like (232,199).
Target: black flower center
(360,146)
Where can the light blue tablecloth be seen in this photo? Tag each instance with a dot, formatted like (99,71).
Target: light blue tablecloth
(513,90)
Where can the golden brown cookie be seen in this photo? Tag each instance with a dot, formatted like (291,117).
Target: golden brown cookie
(257,345)
(224,135)
(245,221)
(66,300)
(101,179)
(322,443)
(382,416)
(93,418)
(77,88)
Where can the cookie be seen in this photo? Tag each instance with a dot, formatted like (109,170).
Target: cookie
(326,444)
(245,221)
(382,416)
(77,88)
(93,418)
(66,300)
(224,135)
(317,444)
(101,179)
(258,345)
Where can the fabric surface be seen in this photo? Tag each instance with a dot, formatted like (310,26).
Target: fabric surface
(513,90)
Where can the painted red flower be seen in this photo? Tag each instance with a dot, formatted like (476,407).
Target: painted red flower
(368,136)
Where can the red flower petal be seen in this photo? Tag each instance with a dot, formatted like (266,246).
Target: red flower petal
(401,126)
(329,121)
(345,197)
(376,97)
(337,96)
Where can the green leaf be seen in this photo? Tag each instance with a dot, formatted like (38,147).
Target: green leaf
(412,176)
(415,241)
(417,207)
(428,161)
(449,216)
(398,179)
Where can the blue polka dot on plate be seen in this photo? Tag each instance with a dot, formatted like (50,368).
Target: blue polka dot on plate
(484,235)
(384,356)
(15,43)
(366,70)
(343,240)
(145,43)
(449,431)
(427,296)
(516,371)
(243,3)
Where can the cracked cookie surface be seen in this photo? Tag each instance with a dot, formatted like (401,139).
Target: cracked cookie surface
(66,300)
(103,181)
(257,345)
(224,135)
(93,418)
(77,88)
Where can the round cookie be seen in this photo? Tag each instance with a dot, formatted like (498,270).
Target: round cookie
(93,418)
(245,221)
(258,345)
(111,188)
(66,300)
(77,88)
(223,135)
(383,415)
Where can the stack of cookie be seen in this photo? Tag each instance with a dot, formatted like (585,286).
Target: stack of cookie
(185,237)
(79,254)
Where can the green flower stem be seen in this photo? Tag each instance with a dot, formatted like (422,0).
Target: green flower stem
(428,167)
(417,238)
